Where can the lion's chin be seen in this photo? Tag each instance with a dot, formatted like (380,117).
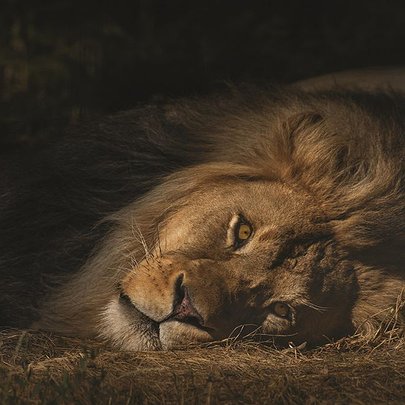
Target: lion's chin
(127,328)
(174,334)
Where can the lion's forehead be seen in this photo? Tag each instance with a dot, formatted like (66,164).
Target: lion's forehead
(270,207)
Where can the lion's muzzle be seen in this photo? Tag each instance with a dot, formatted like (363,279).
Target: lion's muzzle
(184,295)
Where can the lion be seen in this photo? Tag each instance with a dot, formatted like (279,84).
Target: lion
(275,213)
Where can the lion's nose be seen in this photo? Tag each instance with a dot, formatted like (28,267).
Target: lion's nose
(183,308)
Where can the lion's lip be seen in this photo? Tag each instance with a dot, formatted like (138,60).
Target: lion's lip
(126,301)
(181,313)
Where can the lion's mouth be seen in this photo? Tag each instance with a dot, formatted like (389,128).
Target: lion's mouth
(183,310)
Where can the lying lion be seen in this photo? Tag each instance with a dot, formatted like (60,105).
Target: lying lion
(276,213)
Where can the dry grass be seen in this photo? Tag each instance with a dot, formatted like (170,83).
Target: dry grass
(39,368)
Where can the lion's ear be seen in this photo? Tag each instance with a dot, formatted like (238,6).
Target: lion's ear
(301,121)
(318,145)
(315,152)
(349,166)
(328,154)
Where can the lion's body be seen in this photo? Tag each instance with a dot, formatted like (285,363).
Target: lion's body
(126,229)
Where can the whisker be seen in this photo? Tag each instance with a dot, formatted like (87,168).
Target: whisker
(140,238)
(311,305)
(158,240)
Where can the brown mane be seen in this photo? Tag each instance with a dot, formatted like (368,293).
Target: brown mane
(344,149)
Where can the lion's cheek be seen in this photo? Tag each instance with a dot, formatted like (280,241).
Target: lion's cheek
(175,334)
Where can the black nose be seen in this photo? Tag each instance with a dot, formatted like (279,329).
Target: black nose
(183,309)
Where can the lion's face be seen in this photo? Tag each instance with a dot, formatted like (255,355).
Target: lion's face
(236,258)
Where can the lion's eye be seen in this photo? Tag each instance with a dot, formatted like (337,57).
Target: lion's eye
(242,232)
(282,310)
(239,232)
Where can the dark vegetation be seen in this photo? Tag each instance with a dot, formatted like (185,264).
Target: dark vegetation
(62,61)
(38,368)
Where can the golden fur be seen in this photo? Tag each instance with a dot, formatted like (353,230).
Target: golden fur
(319,179)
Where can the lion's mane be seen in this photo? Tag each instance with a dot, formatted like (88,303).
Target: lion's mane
(346,148)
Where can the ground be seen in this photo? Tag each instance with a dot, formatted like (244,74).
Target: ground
(40,368)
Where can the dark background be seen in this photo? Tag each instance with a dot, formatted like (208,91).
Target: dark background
(62,61)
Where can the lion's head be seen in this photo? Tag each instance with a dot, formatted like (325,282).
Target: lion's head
(238,254)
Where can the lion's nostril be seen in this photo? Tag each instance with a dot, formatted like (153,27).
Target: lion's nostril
(186,309)
(183,309)
(178,291)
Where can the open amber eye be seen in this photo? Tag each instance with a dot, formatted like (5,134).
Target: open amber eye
(280,309)
(243,231)
(239,232)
